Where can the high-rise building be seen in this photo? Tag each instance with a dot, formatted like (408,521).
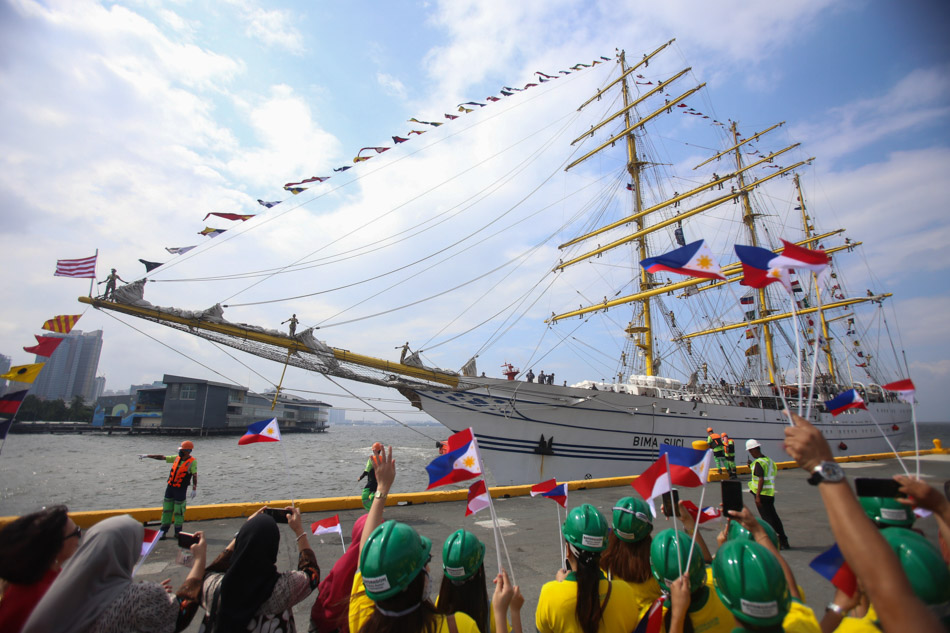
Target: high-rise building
(100,386)
(5,363)
(71,370)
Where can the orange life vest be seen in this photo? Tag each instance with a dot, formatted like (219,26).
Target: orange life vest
(179,471)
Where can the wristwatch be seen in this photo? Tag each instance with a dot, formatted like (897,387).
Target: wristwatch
(826,472)
(379,495)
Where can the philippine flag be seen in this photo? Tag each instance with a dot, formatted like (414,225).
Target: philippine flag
(477,498)
(832,565)
(688,467)
(904,389)
(695,260)
(709,513)
(795,257)
(460,463)
(263,431)
(654,481)
(652,620)
(850,399)
(757,270)
(326,526)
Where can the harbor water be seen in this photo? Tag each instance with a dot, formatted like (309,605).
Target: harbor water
(98,472)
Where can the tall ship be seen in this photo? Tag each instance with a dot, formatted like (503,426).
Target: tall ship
(682,354)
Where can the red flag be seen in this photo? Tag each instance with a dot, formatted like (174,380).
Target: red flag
(45,346)
(655,480)
(652,620)
(709,513)
(477,498)
(62,323)
(84,268)
(543,487)
(10,403)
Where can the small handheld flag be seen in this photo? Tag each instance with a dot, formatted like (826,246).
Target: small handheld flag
(655,480)
(263,431)
(688,466)
(460,463)
(544,486)
(795,257)
(694,260)
(477,498)
(850,399)
(652,620)
(558,494)
(904,388)
(327,526)
(757,270)
(709,513)
(832,565)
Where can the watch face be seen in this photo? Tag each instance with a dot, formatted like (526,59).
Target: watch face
(830,471)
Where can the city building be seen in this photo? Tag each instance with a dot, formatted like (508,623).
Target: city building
(206,406)
(5,364)
(71,370)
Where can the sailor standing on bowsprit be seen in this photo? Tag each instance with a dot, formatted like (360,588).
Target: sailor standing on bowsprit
(184,471)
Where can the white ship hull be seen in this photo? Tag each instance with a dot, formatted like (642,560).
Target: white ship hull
(606,434)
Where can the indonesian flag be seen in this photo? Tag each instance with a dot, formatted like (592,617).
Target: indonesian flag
(326,526)
(149,541)
(552,490)
(84,268)
(904,388)
(263,431)
(795,257)
(654,481)
(477,498)
(460,463)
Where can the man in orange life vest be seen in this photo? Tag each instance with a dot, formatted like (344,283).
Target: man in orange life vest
(184,470)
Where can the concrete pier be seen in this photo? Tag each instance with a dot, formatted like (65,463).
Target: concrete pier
(531,533)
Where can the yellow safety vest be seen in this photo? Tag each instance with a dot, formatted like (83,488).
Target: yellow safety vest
(768,470)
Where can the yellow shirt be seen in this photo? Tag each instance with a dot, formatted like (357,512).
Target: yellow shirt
(712,617)
(800,619)
(361,607)
(644,593)
(491,617)
(867,624)
(558,601)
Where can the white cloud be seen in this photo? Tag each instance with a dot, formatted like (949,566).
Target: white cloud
(275,28)
(391,85)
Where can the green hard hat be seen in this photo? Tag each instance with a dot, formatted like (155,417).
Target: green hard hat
(751,584)
(922,563)
(586,528)
(887,511)
(462,555)
(668,553)
(738,532)
(392,557)
(632,519)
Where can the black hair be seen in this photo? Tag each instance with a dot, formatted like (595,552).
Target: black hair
(469,597)
(696,600)
(589,610)
(421,620)
(29,545)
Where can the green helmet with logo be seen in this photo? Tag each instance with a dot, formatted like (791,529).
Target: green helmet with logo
(462,555)
(632,519)
(751,584)
(586,528)
(669,553)
(392,557)
(887,511)
(922,563)
(738,531)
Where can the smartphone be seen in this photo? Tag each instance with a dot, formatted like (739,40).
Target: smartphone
(872,487)
(670,503)
(731,495)
(279,515)
(186,540)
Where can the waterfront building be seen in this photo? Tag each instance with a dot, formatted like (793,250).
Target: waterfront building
(207,406)
(5,364)
(71,370)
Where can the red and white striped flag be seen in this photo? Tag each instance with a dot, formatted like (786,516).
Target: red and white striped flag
(326,526)
(477,498)
(84,268)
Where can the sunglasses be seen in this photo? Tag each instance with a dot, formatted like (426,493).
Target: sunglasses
(77,533)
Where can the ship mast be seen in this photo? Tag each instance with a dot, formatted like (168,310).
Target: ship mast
(812,243)
(633,167)
(749,219)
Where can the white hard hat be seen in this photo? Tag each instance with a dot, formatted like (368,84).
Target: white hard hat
(750,444)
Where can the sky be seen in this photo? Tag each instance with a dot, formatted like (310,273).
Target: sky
(125,123)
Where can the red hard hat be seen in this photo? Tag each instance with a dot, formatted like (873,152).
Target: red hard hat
(709,429)
(377,447)
(187,445)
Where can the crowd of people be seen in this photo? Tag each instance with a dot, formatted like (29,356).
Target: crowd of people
(618,575)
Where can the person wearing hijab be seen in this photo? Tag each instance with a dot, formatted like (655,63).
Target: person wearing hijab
(95,592)
(33,549)
(329,611)
(243,591)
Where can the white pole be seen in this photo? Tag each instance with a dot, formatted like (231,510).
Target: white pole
(494,518)
(675,511)
(560,532)
(913,419)
(342,542)
(287,472)
(692,543)
(798,349)
(814,356)
(886,439)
